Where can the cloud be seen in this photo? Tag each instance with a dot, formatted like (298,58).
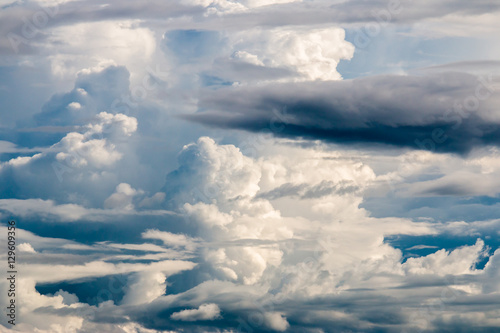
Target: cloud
(9,147)
(39,207)
(26,247)
(90,148)
(421,247)
(94,91)
(252,258)
(122,198)
(170,239)
(21,160)
(257,55)
(92,40)
(100,268)
(447,112)
(81,152)
(276,322)
(206,161)
(204,312)
(459,261)
(308,192)
(313,54)
(227,211)
(145,287)
(77,159)
(251,232)
(454,185)
(49,210)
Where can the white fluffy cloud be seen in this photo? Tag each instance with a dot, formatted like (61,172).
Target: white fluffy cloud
(228,211)
(93,148)
(284,226)
(442,262)
(21,160)
(276,322)
(79,150)
(204,312)
(26,247)
(145,287)
(257,55)
(311,53)
(122,198)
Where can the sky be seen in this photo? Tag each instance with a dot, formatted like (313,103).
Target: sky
(251,165)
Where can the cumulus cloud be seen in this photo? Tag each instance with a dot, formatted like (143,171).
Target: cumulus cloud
(259,55)
(98,34)
(459,261)
(145,287)
(204,312)
(39,207)
(259,240)
(95,90)
(26,247)
(313,54)
(83,156)
(276,322)
(95,152)
(21,160)
(122,198)
(90,148)
(227,211)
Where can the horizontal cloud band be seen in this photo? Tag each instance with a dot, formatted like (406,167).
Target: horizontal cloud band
(443,112)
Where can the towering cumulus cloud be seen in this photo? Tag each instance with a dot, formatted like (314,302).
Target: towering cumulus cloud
(249,166)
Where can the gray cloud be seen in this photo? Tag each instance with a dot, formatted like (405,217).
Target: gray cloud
(305,191)
(442,112)
(353,12)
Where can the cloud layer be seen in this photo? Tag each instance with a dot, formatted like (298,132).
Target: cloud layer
(443,112)
(251,165)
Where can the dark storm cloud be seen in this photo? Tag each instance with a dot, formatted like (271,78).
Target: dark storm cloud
(443,112)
